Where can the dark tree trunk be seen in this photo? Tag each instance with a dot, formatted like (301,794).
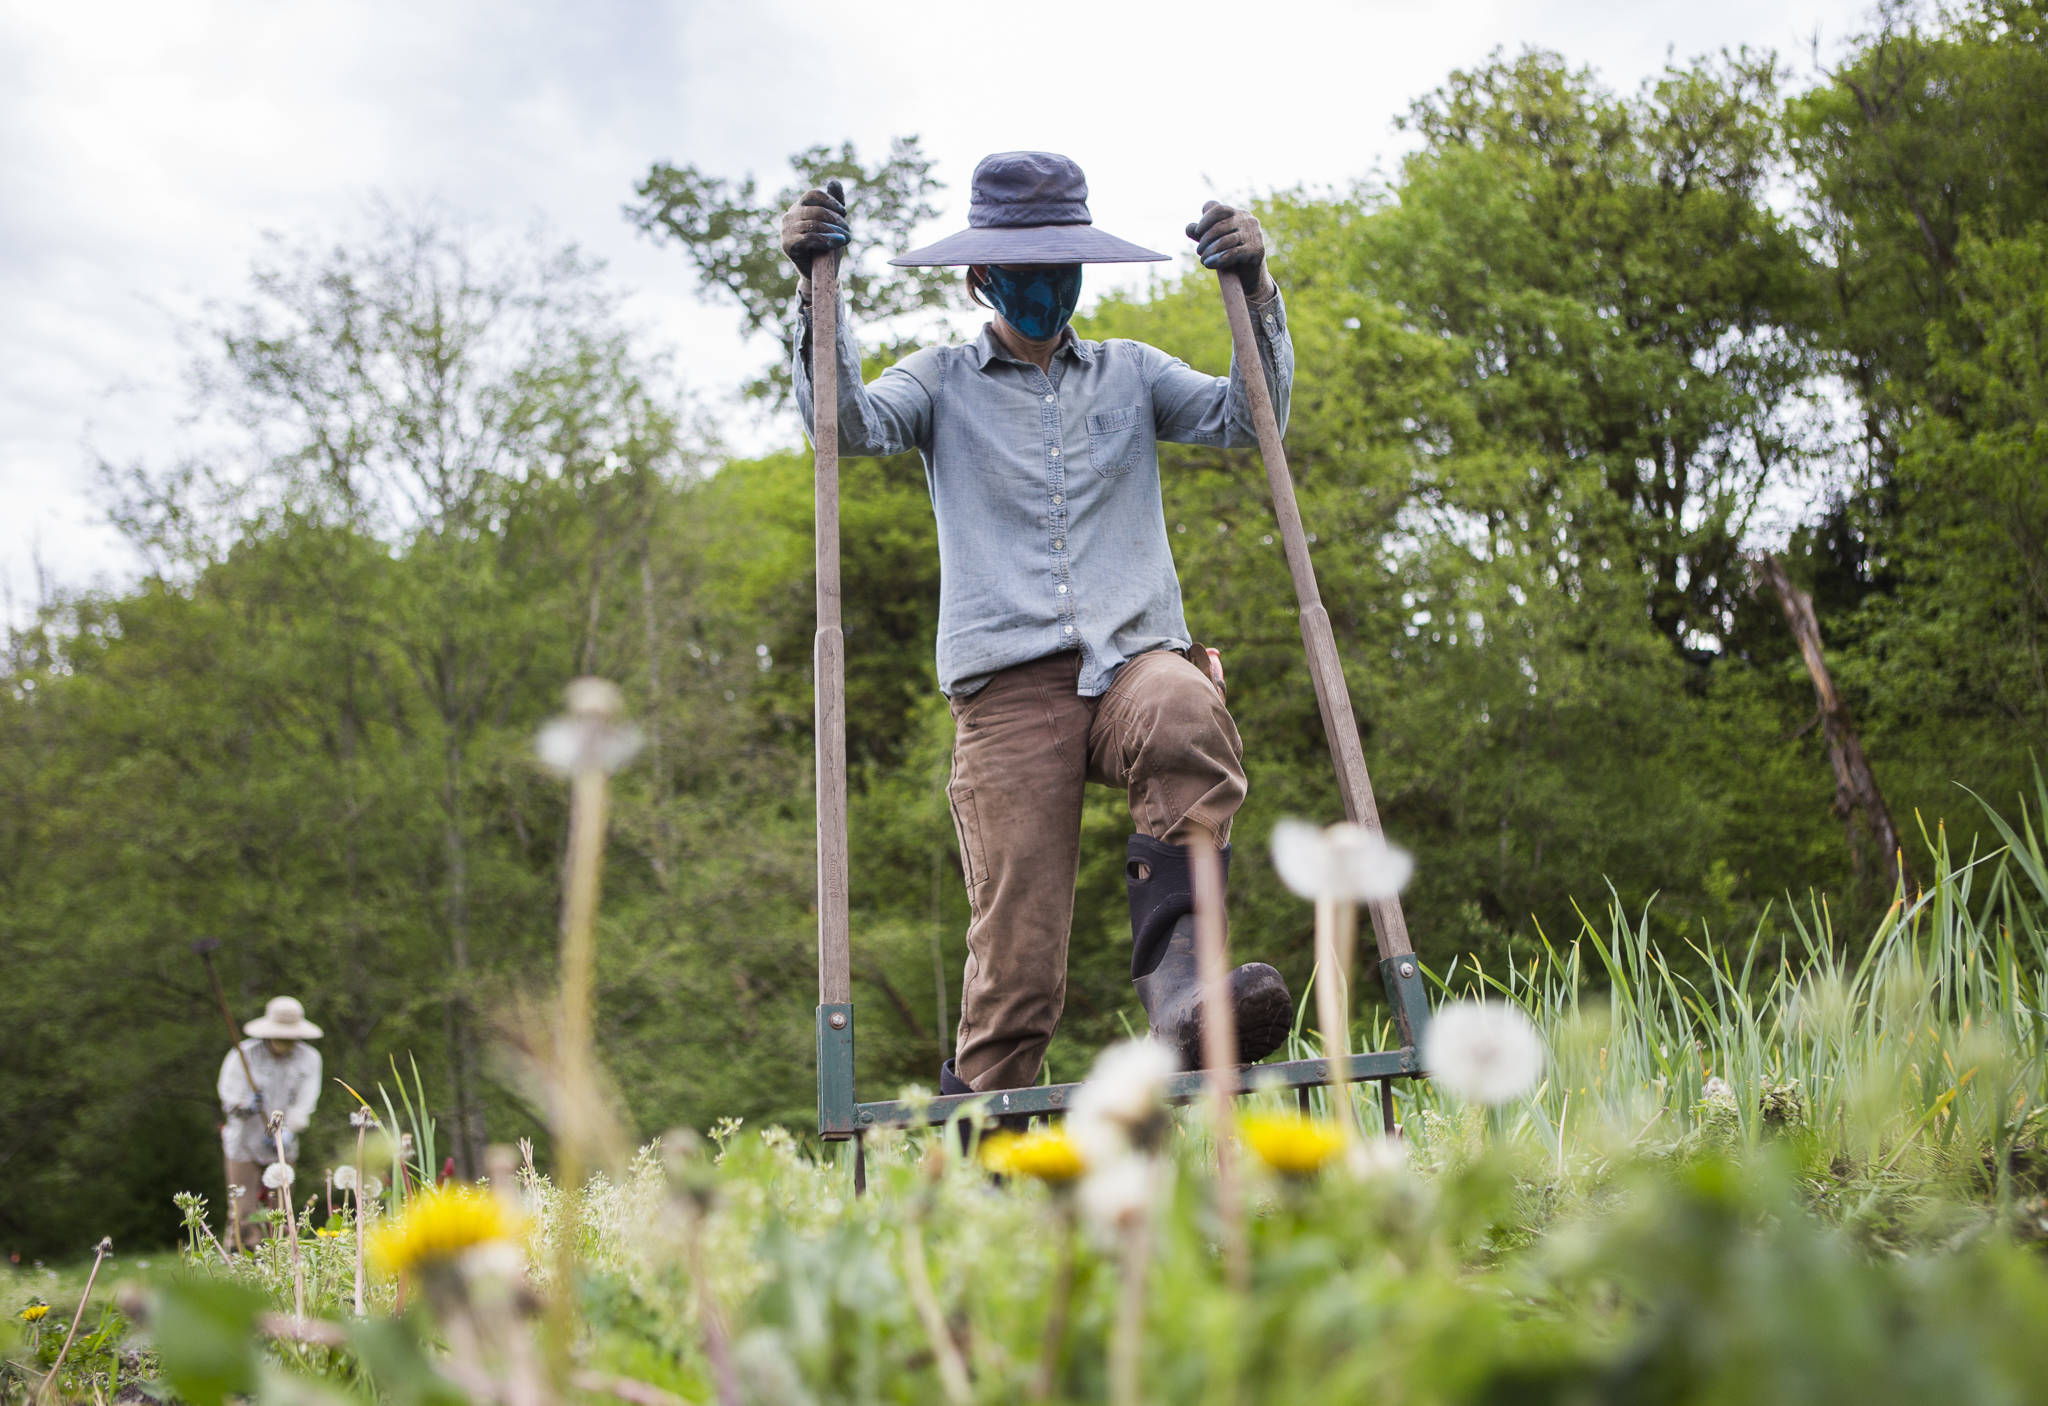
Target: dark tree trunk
(467,1131)
(1856,792)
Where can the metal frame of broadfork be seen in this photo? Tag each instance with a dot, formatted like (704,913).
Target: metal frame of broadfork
(840,1116)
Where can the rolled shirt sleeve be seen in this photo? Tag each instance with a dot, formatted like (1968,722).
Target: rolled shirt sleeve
(234,1085)
(305,1088)
(891,416)
(1191,408)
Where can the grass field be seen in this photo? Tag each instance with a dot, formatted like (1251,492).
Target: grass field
(1794,1168)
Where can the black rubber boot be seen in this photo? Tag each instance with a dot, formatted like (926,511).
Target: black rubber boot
(951,1083)
(1163,965)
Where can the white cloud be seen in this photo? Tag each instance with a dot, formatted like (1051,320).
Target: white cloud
(144,148)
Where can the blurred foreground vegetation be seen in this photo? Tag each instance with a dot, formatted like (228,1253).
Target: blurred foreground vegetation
(1764,1184)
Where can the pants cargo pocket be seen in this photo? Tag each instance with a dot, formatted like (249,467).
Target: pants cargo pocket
(967,830)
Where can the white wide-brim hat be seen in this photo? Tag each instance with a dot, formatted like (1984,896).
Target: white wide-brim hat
(283,1018)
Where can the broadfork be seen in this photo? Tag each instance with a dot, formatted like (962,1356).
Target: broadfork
(840,1116)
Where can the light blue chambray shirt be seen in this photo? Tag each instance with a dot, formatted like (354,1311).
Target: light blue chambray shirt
(1052,534)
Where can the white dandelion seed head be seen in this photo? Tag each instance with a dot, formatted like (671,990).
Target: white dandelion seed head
(571,745)
(1717,1090)
(405,1144)
(1123,1100)
(593,734)
(1115,1195)
(1345,862)
(277,1174)
(372,1187)
(362,1118)
(344,1178)
(1483,1051)
(236,1193)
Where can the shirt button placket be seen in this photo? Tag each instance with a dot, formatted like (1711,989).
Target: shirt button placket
(1056,478)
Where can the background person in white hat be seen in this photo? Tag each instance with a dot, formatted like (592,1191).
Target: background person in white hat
(286,1074)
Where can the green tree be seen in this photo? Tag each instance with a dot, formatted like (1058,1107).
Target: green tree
(1918,160)
(731,233)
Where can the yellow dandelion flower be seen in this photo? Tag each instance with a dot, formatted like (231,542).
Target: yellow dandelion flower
(440,1224)
(1290,1144)
(35,1312)
(327,1233)
(1048,1156)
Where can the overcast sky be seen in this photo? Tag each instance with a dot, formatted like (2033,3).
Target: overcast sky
(145,148)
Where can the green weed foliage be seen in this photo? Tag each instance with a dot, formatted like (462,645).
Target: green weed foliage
(1773,1173)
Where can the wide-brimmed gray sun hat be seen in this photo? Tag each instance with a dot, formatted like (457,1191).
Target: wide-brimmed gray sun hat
(283,1019)
(1028,207)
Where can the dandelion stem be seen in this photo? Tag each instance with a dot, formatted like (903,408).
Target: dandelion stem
(1333,916)
(362,1131)
(946,1352)
(1126,1347)
(595,705)
(587,805)
(717,1346)
(291,1218)
(1055,1339)
(1219,1054)
(106,1247)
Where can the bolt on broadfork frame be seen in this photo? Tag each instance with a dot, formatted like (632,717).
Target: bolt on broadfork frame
(840,1115)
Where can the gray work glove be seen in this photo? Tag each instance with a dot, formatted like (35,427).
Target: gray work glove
(1229,238)
(815,225)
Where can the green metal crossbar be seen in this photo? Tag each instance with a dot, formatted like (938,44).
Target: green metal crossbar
(840,1114)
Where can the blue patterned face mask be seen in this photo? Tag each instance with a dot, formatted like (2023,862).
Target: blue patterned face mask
(1036,301)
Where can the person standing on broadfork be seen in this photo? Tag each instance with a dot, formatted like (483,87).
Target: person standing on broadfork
(1062,647)
(286,1074)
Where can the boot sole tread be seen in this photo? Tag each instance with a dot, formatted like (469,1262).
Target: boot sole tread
(1265,1014)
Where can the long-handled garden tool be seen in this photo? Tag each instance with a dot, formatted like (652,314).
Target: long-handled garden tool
(205,947)
(840,1115)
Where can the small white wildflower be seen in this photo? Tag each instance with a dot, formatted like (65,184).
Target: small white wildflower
(592,735)
(1368,1158)
(1113,1196)
(344,1178)
(495,1259)
(277,1174)
(1123,1103)
(1482,1051)
(1346,862)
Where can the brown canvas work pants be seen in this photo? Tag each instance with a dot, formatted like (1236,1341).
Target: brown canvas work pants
(249,1177)
(1024,747)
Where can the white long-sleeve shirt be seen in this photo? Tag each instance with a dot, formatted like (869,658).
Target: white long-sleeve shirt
(290,1083)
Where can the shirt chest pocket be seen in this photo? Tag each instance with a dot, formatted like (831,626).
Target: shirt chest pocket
(1118,440)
